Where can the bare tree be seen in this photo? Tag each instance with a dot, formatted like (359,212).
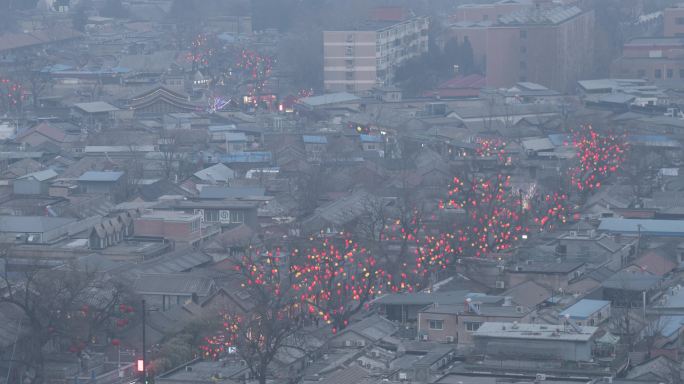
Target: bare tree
(66,306)
(273,324)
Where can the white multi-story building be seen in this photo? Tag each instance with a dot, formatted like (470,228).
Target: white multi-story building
(358,60)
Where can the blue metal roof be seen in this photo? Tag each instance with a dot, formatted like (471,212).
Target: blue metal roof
(314,139)
(671,324)
(370,139)
(560,139)
(584,308)
(645,227)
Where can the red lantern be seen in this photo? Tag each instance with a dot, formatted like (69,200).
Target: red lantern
(116,342)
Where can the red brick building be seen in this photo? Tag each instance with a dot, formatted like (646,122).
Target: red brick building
(174,226)
(545,44)
(673,21)
(657,59)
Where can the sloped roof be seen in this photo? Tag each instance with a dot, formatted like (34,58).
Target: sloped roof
(179,284)
(633,281)
(22,167)
(374,327)
(528,294)
(350,375)
(32,224)
(152,192)
(96,107)
(104,176)
(46,130)
(175,262)
(216,173)
(655,263)
(40,175)
(220,192)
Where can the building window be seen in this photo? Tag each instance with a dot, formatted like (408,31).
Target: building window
(472,326)
(436,324)
(211,215)
(485,17)
(523,49)
(237,216)
(670,73)
(522,79)
(658,73)
(679,21)
(349,75)
(349,51)
(195,225)
(523,34)
(350,88)
(523,65)
(641,73)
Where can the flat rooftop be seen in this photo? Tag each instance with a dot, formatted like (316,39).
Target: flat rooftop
(524,331)
(170,216)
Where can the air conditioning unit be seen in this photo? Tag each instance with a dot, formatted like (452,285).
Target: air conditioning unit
(573,233)
(403,376)
(375,354)
(360,343)
(347,343)
(425,337)
(519,309)
(500,284)
(243,363)
(450,339)
(608,379)
(540,377)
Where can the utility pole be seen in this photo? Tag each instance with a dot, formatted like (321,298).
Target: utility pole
(144,348)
